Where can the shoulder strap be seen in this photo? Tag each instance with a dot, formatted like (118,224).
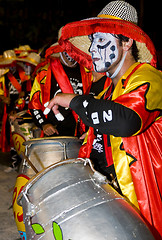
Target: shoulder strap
(14,82)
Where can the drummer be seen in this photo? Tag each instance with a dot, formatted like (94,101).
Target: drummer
(60,73)
(127,122)
(15,87)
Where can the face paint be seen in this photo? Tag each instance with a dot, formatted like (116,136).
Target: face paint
(27,69)
(67,60)
(70,59)
(104,51)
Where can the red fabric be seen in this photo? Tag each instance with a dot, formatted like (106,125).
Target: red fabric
(40,65)
(79,56)
(14,82)
(108,151)
(89,26)
(65,84)
(52,50)
(22,74)
(28,86)
(146,174)
(86,79)
(4,143)
(136,101)
(61,76)
(85,150)
(45,90)
(62,79)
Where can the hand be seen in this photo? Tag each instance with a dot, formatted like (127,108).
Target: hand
(12,116)
(61,99)
(49,129)
(6,100)
(83,135)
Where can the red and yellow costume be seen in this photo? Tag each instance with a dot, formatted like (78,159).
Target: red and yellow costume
(41,90)
(138,163)
(138,158)
(5,92)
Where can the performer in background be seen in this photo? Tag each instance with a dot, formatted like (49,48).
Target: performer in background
(60,73)
(15,89)
(125,135)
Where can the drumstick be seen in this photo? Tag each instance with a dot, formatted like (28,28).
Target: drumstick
(24,118)
(30,163)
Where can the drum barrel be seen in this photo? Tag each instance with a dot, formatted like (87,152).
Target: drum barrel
(47,151)
(69,201)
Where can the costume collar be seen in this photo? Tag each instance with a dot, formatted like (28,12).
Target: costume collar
(124,76)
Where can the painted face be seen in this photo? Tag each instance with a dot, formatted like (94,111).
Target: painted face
(104,51)
(67,60)
(27,69)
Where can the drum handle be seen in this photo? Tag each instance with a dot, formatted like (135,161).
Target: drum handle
(65,155)
(97,175)
(30,163)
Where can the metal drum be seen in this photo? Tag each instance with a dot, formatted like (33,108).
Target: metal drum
(44,152)
(21,132)
(71,201)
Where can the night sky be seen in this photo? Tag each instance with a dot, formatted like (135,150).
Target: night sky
(36,23)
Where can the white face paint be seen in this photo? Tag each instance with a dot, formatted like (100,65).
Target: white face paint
(27,69)
(104,51)
(67,60)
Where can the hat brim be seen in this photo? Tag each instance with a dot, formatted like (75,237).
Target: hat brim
(26,60)
(74,38)
(7,62)
(54,50)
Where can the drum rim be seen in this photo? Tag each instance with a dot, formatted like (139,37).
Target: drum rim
(50,139)
(37,176)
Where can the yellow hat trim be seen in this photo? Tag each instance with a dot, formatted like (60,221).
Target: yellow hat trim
(108,16)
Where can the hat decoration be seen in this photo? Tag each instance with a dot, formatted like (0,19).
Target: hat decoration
(32,58)
(7,58)
(74,36)
(24,48)
(53,51)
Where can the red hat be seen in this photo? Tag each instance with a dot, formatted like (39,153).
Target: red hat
(118,17)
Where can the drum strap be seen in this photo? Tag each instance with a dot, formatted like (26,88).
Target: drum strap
(14,82)
(63,81)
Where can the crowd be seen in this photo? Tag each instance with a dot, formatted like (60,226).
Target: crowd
(99,82)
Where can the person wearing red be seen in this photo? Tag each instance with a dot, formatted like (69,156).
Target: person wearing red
(59,73)
(15,87)
(125,135)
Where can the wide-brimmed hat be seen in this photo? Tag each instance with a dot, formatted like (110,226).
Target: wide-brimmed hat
(118,17)
(24,48)
(7,58)
(3,71)
(32,58)
(54,51)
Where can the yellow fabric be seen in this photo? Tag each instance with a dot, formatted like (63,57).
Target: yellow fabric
(146,73)
(36,85)
(2,83)
(121,164)
(35,88)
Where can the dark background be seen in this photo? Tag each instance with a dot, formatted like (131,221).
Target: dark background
(36,23)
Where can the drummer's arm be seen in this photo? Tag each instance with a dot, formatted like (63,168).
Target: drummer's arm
(38,117)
